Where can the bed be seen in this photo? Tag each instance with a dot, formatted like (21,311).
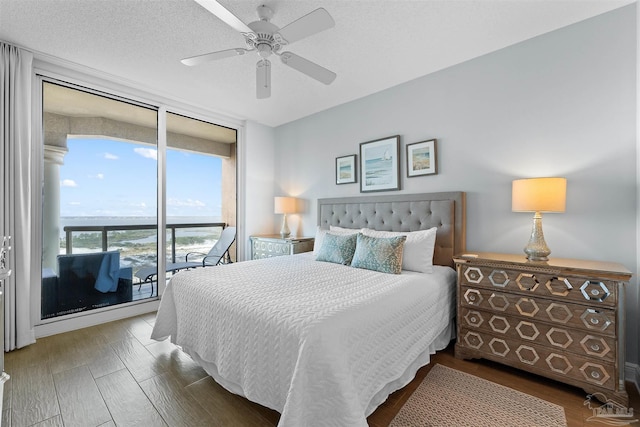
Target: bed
(322,343)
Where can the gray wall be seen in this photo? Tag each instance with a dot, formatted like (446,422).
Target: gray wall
(562,104)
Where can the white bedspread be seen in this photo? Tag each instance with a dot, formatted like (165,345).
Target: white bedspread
(316,341)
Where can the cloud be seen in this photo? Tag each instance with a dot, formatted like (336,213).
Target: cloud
(188,202)
(110,156)
(75,203)
(149,153)
(97,176)
(68,183)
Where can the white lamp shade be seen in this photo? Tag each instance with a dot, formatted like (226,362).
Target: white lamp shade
(285,205)
(539,195)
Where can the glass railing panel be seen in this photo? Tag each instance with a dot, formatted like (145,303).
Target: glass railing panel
(193,241)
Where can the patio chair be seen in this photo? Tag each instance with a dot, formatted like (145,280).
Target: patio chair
(219,254)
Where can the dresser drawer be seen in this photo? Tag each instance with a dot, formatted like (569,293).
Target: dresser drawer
(598,320)
(559,318)
(539,359)
(557,337)
(570,288)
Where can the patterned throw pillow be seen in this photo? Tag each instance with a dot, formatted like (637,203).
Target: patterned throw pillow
(379,254)
(320,233)
(418,249)
(338,249)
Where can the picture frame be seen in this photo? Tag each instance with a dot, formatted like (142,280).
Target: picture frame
(422,158)
(380,165)
(346,169)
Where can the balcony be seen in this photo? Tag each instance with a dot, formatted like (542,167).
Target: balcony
(137,243)
(86,250)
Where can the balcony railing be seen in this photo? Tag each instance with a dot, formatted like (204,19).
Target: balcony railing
(105,229)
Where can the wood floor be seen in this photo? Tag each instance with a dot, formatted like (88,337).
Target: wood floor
(115,375)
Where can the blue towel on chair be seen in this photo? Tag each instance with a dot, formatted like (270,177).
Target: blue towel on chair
(107,280)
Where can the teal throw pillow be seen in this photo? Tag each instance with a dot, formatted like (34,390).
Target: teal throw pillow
(382,254)
(337,249)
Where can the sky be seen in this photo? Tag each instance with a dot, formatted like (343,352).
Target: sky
(105,177)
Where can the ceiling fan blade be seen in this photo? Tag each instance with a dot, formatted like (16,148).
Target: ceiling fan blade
(223,14)
(200,59)
(263,79)
(307,67)
(312,23)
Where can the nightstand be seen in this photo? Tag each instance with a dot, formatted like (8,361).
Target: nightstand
(267,246)
(563,318)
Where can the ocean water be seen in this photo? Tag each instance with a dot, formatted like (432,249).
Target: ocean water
(379,171)
(139,249)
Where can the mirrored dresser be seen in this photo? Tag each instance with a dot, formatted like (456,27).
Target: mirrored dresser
(563,318)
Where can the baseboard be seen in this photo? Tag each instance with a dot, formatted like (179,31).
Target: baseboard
(632,373)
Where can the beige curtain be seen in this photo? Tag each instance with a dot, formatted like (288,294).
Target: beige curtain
(15,191)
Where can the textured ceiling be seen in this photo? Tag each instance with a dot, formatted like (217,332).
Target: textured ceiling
(374,45)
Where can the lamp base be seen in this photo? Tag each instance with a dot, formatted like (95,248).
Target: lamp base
(284,230)
(537,249)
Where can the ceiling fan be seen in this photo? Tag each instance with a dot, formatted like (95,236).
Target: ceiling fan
(266,39)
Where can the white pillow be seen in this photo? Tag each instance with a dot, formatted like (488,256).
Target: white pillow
(320,233)
(317,243)
(341,230)
(418,248)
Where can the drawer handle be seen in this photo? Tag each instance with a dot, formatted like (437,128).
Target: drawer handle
(594,321)
(473,320)
(472,297)
(595,375)
(595,347)
(595,292)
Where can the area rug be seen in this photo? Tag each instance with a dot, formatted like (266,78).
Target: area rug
(448,397)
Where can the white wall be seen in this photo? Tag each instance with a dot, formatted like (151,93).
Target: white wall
(562,104)
(256,181)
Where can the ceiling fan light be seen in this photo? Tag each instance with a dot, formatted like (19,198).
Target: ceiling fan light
(264,50)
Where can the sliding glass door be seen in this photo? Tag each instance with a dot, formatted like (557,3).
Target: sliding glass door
(200,186)
(104,172)
(99,199)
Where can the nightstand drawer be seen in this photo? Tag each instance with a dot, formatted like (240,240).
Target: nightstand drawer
(596,320)
(589,290)
(271,246)
(557,364)
(557,337)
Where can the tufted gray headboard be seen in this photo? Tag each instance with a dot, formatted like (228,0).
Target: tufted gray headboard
(403,212)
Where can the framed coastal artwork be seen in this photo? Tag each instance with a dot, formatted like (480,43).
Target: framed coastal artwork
(422,158)
(346,169)
(380,165)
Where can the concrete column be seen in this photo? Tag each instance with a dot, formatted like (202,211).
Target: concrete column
(53,159)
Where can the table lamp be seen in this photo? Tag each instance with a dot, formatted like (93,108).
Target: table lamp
(285,205)
(538,195)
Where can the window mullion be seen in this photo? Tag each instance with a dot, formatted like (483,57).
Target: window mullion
(162,210)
